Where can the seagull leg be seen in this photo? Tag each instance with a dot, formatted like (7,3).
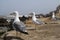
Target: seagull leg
(16,33)
(35,27)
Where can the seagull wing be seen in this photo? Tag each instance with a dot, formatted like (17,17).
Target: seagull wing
(19,26)
(39,21)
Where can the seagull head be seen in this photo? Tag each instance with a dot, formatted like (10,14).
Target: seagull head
(53,13)
(33,13)
(15,13)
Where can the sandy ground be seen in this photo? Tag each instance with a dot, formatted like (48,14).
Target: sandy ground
(42,32)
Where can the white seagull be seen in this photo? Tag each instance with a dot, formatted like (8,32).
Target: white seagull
(35,20)
(53,16)
(17,24)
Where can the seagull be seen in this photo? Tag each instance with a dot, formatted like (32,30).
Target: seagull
(17,24)
(53,16)
(35,20)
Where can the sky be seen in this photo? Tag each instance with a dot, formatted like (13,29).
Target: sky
(26,6)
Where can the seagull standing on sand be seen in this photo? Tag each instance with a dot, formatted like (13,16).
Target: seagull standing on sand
(35,20)
(17,24)
(53,16)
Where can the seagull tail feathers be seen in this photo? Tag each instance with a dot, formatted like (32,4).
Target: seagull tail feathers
(25,32)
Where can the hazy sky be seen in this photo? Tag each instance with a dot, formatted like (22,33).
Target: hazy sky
(27,6)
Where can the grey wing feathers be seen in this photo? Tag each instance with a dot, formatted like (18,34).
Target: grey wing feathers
(19,26)
(39,22)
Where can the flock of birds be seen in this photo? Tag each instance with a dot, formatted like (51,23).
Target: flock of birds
(20,26)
